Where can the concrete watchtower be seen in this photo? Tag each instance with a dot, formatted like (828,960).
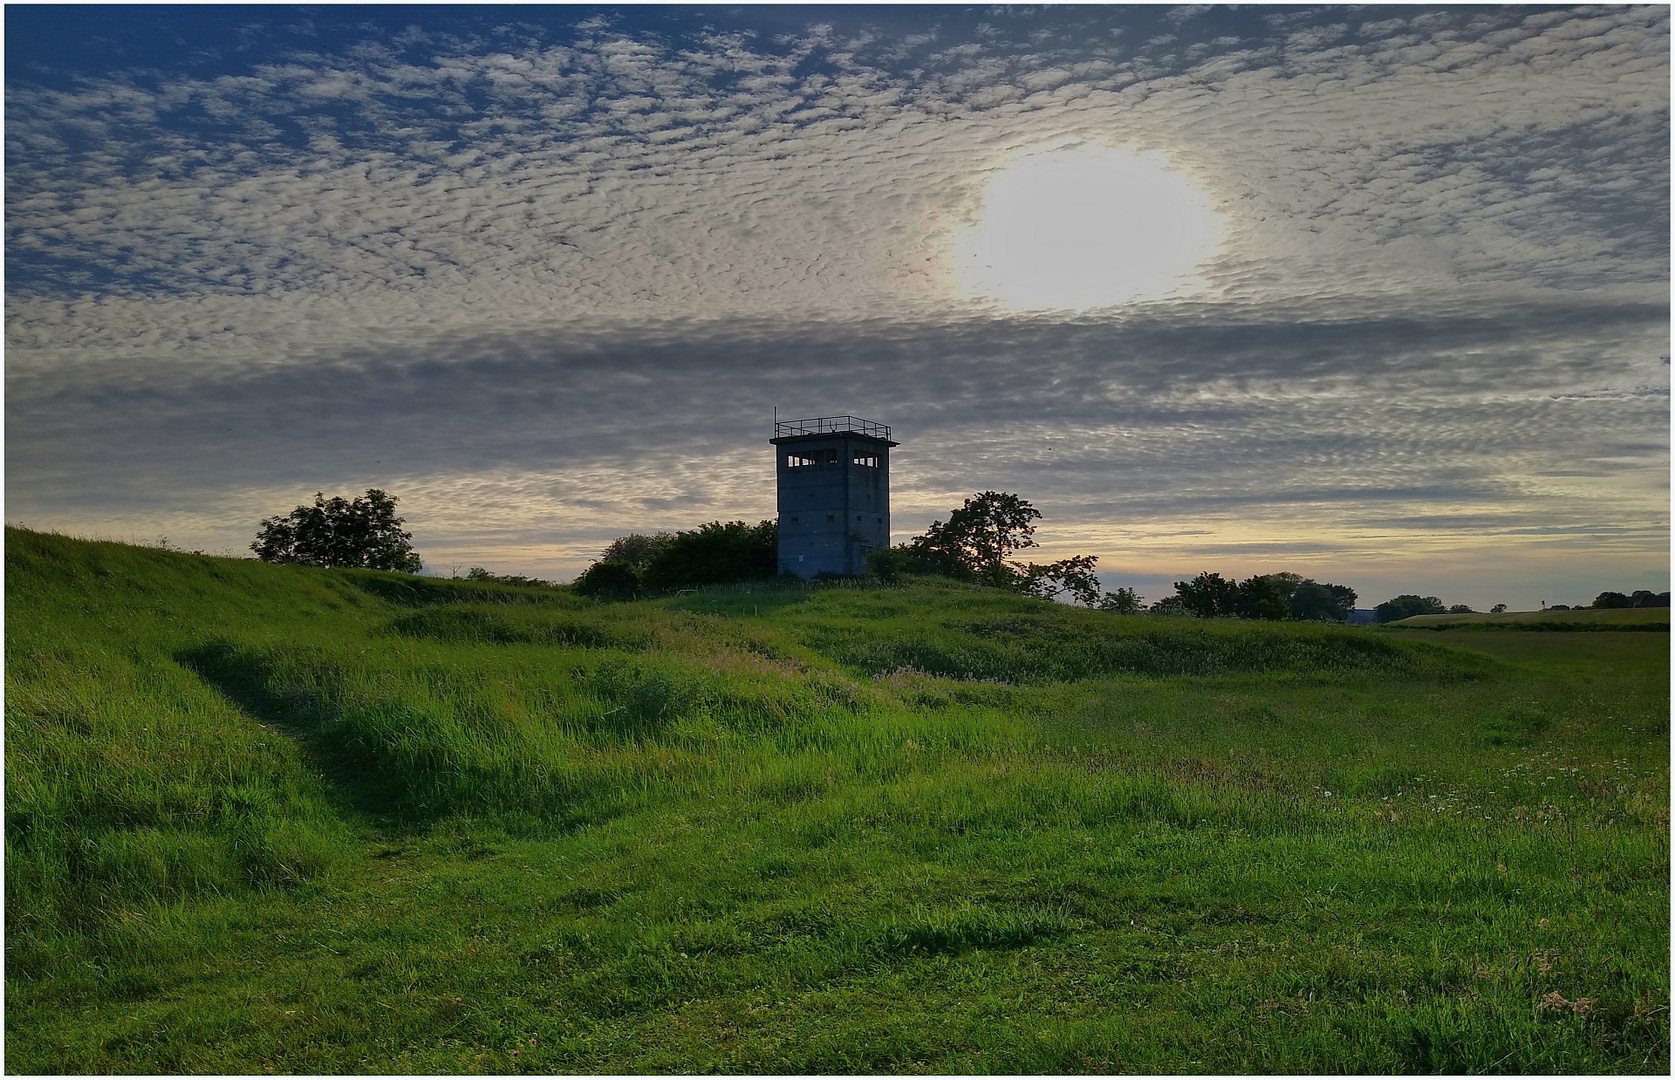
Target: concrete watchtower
(834,493)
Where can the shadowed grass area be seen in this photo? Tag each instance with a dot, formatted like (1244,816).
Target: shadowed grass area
(271,818)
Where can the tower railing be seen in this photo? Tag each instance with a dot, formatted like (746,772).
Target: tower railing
(830,425)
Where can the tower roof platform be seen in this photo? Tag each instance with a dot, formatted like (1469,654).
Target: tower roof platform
(831,425)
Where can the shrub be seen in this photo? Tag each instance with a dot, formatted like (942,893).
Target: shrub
(477,573)
(609,580)
(715,553)
(889,564)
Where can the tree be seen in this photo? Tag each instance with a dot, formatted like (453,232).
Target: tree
(1497,609)
(636,549)
(363,532)
(1612,600)
(1274,597)
(1073,575)
(609,579)
(1121,602)
(715,553)
(1208,595)
(1263,597)
(1314,601)
(1460,609)
(1170,605)
(977,542)
(1406,606)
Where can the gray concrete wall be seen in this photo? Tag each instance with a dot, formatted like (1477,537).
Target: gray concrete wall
(834,512)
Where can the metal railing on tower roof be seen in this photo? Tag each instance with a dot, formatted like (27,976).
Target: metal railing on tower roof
(830,425)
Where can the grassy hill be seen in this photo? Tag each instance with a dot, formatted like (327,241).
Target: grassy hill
(268,818)
(1653,619)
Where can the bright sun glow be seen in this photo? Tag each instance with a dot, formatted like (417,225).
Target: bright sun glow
(1084,227)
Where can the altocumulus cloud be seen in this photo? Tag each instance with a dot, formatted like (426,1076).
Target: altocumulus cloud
(546,273)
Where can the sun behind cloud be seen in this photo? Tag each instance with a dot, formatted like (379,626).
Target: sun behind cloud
(1075,227)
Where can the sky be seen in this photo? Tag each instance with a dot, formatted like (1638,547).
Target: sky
(1375,295)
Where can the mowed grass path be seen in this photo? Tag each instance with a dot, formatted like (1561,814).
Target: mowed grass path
(274,819)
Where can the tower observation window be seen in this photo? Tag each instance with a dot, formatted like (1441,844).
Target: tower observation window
(811,457)
(869,460)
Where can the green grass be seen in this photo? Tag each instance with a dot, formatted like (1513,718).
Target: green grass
(1651,619)
(274,819)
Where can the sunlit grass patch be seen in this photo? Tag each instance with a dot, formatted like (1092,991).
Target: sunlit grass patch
(266,818)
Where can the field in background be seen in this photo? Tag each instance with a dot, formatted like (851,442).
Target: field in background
(1573,619)
(264,818)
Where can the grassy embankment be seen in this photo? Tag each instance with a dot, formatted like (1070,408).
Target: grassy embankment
(265,818)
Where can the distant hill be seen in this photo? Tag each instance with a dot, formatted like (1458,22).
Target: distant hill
(1573,619)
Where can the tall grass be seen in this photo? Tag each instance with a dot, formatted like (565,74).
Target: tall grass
(274,818)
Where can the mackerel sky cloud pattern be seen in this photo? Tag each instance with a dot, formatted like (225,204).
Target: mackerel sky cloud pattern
(545,273)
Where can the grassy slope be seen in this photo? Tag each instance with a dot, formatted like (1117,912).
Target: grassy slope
(269,818)
(1575,618)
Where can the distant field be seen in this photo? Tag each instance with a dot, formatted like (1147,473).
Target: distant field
(272,819)
(1574,619)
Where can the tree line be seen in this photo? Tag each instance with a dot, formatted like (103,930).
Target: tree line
(978,543)
(975,544)
(1264,596)
(1408,605)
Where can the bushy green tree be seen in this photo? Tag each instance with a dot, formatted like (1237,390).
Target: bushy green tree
(1261,597)
(1208,595)
(1408,605)
(715,553)
(363,532)
(1169,605)
(978,540)
(1321,601)
(609,579)
(977,543)
(1274,597)
(1309,600)
(636,549)
(1121,602)
(889,564)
